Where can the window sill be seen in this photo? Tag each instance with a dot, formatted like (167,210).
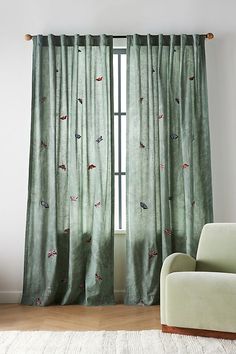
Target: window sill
(120,232)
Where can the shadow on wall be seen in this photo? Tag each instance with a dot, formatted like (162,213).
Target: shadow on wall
(221,68)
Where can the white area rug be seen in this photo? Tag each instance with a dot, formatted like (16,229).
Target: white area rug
(115,342)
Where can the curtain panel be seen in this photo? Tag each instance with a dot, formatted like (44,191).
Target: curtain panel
(169,192)
(69,233)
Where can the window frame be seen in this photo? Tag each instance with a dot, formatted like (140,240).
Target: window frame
(119,52)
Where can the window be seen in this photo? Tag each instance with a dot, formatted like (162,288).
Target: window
(119,69)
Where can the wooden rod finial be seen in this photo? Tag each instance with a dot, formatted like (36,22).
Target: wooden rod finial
(210,35)
(28,37)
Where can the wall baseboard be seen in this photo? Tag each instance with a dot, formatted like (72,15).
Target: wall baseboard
(10,297)
(119,296)
(14,297)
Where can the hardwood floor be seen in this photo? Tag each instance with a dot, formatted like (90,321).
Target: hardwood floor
(78,318)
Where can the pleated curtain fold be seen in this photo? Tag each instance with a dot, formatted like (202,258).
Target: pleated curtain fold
(169,191)
(69,234)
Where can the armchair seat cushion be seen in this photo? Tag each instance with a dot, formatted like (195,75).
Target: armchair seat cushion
(203,300)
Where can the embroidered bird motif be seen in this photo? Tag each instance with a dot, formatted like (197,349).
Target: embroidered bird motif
(52,253)
(141,145)
(152,253)
(67,231)
(98,140)
(143,205)
(191,78)
(97,205)
(174,136)
(62,167)
(177,100)
(98,277)
(153,70)
(99,78)
(79,50)
(168,232)
(64,117)
(161,116)
(185,165)
(78,136)
(80,100)
(141,99)
(44,204)
(73,198)
(91,166)
(38,301)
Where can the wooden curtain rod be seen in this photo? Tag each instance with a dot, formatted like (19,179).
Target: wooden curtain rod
(28,37)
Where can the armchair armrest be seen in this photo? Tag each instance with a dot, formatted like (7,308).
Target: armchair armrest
(176,262)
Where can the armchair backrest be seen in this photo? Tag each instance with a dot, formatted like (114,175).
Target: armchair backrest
(217,248)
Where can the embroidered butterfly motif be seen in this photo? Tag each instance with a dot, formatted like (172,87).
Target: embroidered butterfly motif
(168,232)
(98,277)
(97,205)
(141,145)
(161,116)
(73,198)
(78,136)
(143,205)
(91,166)
(141,303)
(43,99)
(152,253)
(99,78)
(98,140)
(43,145)
(52,253)
(44,204)
(185,165)
(174,136)
(64,117)
(80,100)
(63,167)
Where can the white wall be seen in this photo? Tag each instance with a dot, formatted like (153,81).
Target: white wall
(111,17)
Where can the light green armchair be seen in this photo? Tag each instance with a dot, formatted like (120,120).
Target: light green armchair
(199,296)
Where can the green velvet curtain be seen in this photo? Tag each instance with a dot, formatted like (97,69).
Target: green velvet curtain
(69,235)
(169,192)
